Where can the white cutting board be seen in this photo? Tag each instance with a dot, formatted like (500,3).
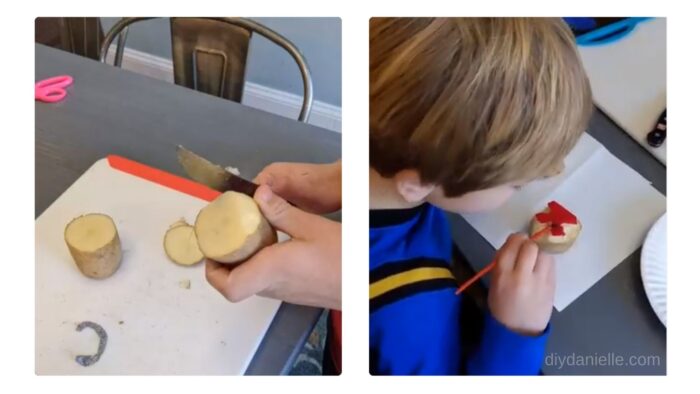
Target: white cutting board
(628,79)
(154,325)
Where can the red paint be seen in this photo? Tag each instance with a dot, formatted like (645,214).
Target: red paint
(162,178)
(557,230)
(556,218)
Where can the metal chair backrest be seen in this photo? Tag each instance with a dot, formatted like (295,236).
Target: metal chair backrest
(210,54)
(81,36)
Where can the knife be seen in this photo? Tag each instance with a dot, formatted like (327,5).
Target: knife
(214,176)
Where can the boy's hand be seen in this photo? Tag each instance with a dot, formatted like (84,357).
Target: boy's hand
(522,287)
(314,188)
(303,270)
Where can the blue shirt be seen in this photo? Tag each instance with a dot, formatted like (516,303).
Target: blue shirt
(414,312)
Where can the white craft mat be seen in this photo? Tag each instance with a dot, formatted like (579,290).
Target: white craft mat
(615,205)
(155,327)
(628,78)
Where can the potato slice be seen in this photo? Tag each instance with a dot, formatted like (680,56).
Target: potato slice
(94,243)
(180,244)
(231,228)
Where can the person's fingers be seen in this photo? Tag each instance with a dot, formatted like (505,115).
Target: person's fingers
(527,257)
(281,185)
(273,178)
(314,188)
(506,256)
(278,177)
(545,273)
(265,177)
(217,275)
(284,216)
(248,278)
(544,266)
(551,275)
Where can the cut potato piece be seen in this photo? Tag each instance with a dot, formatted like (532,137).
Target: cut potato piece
(555,229)
(94,243)
(181,222)
(180,244)
(231,228)
(552,243)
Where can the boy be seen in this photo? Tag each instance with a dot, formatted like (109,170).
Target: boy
(463,111)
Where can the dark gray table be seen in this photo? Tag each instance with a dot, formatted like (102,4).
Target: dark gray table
(109,110)
(613,318)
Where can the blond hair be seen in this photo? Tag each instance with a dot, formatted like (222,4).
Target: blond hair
(472,103)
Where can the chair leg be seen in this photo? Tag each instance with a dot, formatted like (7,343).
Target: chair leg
(121,43)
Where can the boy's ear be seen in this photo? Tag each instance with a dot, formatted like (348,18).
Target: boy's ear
(555,170)
(409,186)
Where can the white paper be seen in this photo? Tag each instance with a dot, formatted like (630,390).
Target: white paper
(628,79)
(615,205)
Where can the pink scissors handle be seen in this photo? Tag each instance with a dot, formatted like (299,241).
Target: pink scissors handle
(52,89)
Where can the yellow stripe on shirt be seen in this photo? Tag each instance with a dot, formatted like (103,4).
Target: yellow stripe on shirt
(415,275)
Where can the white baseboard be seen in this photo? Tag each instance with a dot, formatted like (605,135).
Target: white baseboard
(255,95)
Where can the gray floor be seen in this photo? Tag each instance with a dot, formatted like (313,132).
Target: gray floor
(310,360)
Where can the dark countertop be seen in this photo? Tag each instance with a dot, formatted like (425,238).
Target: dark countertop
(113,111)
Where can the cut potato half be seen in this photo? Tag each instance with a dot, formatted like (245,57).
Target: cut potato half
(231,228)
(94,243)
(555,244)
(180,244)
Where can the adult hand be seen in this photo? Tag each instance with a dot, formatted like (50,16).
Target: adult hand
(303,270)
(315,188)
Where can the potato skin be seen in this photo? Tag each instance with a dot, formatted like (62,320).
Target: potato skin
(101,263)
(264,236)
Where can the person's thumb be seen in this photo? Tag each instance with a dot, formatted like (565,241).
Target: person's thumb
(282,215)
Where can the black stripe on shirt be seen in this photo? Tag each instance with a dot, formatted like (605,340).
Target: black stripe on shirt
(410,290)
(393,217)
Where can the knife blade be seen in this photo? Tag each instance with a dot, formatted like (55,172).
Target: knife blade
(214,176)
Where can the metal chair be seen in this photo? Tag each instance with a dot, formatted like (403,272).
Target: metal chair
(209,54)
(81,36)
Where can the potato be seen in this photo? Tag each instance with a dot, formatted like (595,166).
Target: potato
(94,243)
(555,244)
(555,215)
(180,244)
(231,228)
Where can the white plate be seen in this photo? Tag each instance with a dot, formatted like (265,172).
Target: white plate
(653,268)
